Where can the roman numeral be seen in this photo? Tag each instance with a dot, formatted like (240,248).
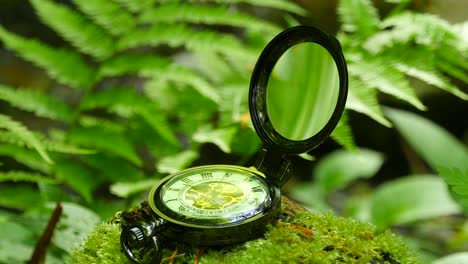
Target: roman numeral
(187,180)
(227,175)
(207,175)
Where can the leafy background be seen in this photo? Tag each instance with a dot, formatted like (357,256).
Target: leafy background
(101,98)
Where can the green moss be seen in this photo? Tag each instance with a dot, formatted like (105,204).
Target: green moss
(306,238)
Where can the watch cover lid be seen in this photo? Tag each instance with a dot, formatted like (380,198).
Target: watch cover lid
(270,137)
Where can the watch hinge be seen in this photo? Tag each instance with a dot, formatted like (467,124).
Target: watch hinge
(276,167)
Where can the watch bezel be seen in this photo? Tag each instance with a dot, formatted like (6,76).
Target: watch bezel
(161,210)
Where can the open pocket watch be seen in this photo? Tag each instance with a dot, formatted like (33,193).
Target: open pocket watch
(219,205)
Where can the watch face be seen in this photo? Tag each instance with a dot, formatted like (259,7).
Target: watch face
(211,195)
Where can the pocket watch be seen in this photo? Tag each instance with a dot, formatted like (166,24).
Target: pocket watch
(218,205)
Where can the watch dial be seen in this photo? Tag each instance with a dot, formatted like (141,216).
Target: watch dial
(215,192)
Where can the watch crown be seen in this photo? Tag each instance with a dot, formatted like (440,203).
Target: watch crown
(136,235)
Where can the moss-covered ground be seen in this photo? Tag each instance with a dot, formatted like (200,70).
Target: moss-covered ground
(303,238)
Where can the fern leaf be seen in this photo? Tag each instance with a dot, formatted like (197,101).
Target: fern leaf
(426,30)
(25,156)
(427,72)
(421,64)
(75,28)
(102,138)
(108,15)
(363,99)
(132,64)
(179,35)
(376,72)
(457,180)
(23,176)
(113,169)
(359,17)
(452,70)
(185,76)
(343,134)
(210,15)
(134,103)
(66,66)
(276,4)
(24,134)
(37,102)
(136,5)
(87,121)
(77,176)
(450,54)
(49,145)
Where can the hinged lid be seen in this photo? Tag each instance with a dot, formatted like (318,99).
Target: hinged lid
(274,142)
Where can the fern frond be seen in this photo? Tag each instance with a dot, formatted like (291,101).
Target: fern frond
(108,15)
(87,121)
(186,76)
(421,64)
(24,134)
(112,168)
(25,156)
(180,35)
(276,4)
(376,73)
(359,17)
(75,28)
(78,176)
(343,134)
(37,102)
(127,98)
(210,15)
(132,64)
(137,5)
(102,138)
(24,176)
(450,54)
(49,145)
(363,99)
(65,66)
(452,70)
(427,30)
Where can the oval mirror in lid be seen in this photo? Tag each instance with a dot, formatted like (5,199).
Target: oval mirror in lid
(298,90)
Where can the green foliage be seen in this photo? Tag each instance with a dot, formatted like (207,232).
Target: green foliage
(457,258)
(108,14)
(412,203)
(80,32)
(457,180)
(334,172)
(378,56)
(218,15)
(143,84)
(432,142)
(34,101)
(24,134)
(65,66)
(21,232)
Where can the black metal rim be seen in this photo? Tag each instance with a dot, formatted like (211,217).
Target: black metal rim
(271,138)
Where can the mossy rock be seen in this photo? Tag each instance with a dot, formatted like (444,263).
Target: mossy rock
(300,237)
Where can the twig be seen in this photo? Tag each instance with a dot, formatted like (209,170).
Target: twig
(200,253)
(40,250)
